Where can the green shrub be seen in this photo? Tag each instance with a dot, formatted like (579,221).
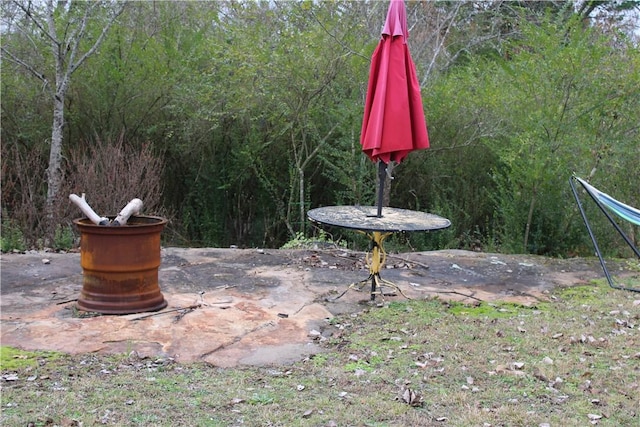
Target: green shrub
(11,237)
(300,241)
(64,238)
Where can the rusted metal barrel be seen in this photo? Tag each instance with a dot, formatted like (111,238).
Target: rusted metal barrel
(120,266)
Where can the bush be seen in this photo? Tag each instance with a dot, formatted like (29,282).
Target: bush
(11,237)
(64,238)
(300,241)
(111,173)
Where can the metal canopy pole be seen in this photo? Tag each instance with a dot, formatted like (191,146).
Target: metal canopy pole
(382,171)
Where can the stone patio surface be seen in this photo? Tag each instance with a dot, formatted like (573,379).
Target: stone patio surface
(253,307)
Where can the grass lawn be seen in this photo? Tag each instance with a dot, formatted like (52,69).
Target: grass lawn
(571,361)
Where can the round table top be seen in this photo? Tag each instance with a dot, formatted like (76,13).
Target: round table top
(364,218)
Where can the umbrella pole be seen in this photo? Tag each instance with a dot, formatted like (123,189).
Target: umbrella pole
(382,171)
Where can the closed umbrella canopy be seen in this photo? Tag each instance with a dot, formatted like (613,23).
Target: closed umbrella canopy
(393,124)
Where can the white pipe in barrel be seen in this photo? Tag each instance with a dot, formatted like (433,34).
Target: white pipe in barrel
(86,209)
(133,208)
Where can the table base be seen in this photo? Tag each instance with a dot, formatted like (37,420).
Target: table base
(376,287)
(375,261)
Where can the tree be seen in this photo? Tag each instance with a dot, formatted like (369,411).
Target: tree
(256,109)
(66,26)
(566,100)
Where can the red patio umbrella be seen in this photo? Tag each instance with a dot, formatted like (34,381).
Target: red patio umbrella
(393,124)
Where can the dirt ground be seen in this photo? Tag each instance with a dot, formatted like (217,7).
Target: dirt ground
(254,307)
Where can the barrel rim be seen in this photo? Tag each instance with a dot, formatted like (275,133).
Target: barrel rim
(155,221)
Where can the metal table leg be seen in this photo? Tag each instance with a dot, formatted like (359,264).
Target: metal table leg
(375,260)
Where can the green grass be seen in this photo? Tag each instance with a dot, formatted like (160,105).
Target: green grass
(12,359)
(572,361)
(492,310)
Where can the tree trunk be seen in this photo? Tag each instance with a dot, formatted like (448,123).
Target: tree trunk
(54,171)
(301,197)
(529,219)
(68,58)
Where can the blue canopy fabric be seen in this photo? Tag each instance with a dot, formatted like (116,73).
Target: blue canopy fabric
(626,212)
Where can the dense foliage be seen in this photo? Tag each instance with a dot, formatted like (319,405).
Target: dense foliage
(253,112)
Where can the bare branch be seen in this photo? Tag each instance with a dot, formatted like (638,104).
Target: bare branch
(28,67)
(317,147)
(33,18)
(451,19)
(74,65)
(51,33)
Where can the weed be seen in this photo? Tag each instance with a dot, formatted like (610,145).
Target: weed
(261,399)
(64,238)
(490,310)
(11,237)
(300,241)
(584,295)
(319,360)
(358,367)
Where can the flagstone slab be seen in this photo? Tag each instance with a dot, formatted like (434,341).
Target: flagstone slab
(231,307)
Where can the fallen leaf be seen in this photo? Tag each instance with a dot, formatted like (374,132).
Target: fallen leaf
(539,375)
(411,398)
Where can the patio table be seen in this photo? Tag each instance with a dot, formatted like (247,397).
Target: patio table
(364,219)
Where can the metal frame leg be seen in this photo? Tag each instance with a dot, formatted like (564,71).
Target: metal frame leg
(603,263)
